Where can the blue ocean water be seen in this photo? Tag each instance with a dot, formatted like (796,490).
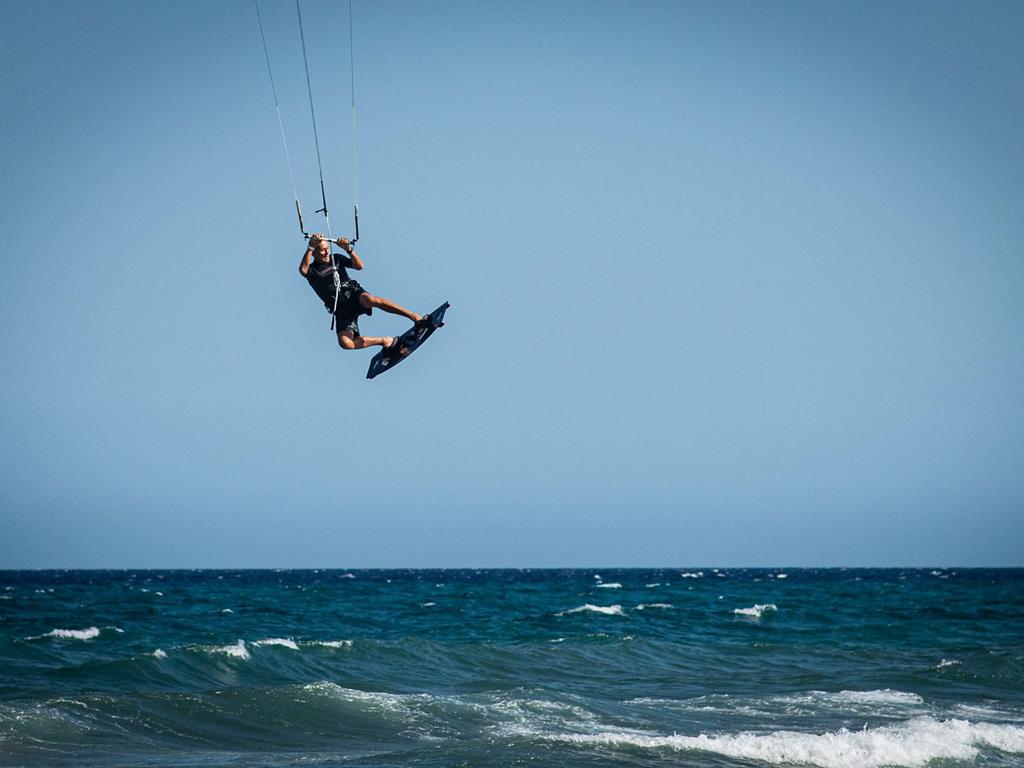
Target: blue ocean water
(672,667)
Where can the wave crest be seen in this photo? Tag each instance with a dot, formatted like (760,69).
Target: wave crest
(238,650)
(607,610)
(756,611)
(910,745)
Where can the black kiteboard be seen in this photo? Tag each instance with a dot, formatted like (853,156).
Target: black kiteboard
(408,342)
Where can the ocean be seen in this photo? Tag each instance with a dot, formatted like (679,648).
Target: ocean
(837,668)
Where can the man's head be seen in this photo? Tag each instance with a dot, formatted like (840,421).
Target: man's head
(321,249)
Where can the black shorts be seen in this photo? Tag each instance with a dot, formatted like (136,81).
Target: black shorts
(346,318)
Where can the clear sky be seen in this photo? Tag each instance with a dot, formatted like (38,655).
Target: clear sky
(732,283)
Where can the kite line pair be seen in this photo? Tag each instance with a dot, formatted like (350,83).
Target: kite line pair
(316,137)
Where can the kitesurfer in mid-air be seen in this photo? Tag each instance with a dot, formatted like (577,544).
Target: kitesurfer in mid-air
(352,300)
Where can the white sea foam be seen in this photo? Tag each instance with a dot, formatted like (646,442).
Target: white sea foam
(692,575)
(286,642)
(756,611)
(90,633)
(226,610)
(980,712)
(645,606)
(655,584)
(912,744)
(392,702)
(610,585)
(347,576)
(886,702)
(781,575)
(527,716)
(238,650)
(334,643)
(160,653)
(427,605)
(883,696)
(946,663)
(607,610)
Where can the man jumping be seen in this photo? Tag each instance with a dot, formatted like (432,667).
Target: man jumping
(343,296)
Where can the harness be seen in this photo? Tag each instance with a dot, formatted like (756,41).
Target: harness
(337,289)
(340,286)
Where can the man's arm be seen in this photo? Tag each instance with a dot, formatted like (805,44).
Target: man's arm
(307,259)
(346,246)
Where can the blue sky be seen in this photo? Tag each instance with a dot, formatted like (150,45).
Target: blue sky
(731,283)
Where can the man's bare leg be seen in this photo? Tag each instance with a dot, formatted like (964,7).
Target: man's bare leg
(376,302)
(346,340)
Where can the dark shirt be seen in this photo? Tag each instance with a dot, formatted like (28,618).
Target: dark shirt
(321,277)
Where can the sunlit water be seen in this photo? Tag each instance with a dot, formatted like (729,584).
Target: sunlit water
(673,667)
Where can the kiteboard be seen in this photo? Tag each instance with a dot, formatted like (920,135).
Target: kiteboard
(408,342)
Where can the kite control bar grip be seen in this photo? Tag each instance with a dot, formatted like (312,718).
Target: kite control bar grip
(309,236)
(351,240)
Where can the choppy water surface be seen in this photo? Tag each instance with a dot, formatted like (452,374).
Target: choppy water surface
(675,667)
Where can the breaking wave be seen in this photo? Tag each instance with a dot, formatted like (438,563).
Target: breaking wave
(607,610)
(756,611)
(912,744)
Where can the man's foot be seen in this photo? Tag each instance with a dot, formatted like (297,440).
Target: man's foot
(394,341)
(426,321)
